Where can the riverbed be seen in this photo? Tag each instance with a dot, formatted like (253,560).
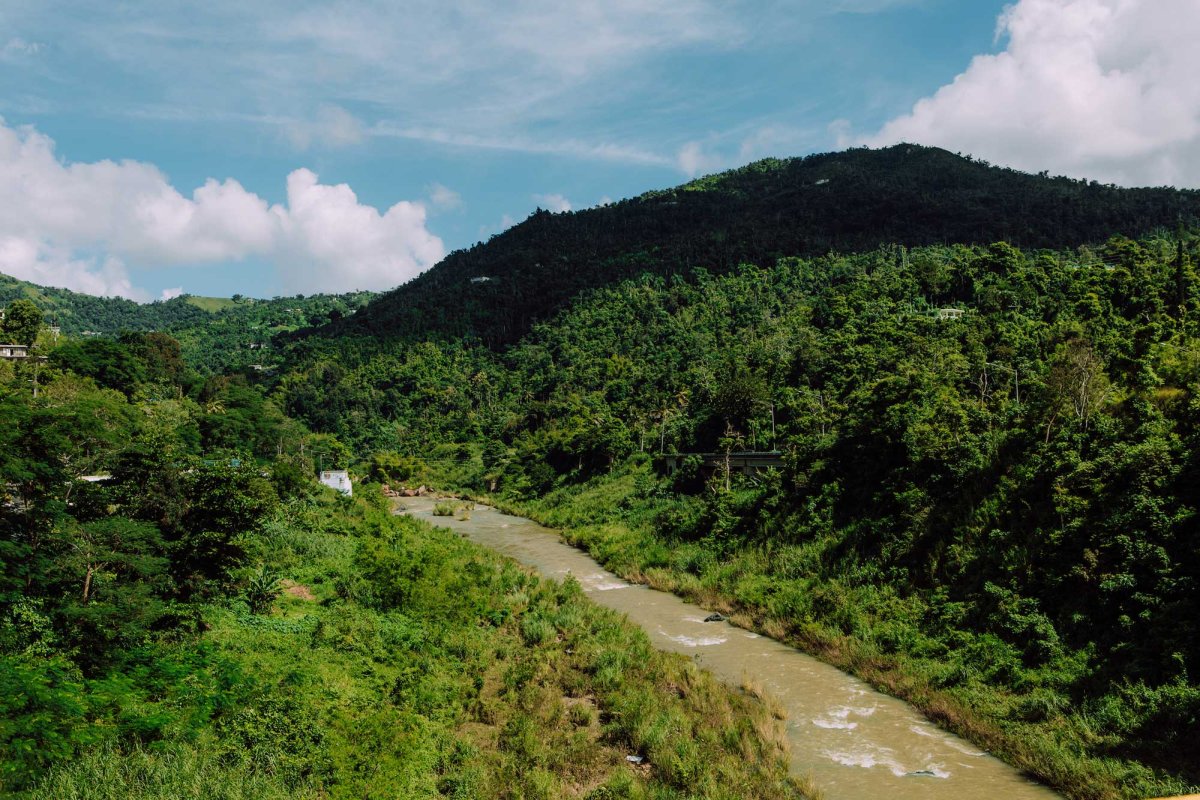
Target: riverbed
(855,743)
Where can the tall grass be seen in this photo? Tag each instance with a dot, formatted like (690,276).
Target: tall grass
(183,770)
(416,664)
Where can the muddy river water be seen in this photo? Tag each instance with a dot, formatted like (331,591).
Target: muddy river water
(855,742)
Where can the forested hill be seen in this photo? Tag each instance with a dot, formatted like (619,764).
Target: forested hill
(217,334)
(850,202)
(76,313)
(84,314)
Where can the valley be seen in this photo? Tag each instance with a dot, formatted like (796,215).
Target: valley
(977,390)
(847,739)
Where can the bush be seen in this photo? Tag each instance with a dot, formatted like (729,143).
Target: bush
(262,589)
(42,717)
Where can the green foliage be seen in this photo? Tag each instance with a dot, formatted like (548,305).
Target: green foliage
(836,202)
(215,335)
(42,717)
(389,467)
(138,659)
(262,588)
(111,364)
(446,508)
(984,504)
(999,500)
(21,323)
(181,770)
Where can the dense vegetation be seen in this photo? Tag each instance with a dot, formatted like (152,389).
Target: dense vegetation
(991,515)
(185,613)
(217,335)
(845,202)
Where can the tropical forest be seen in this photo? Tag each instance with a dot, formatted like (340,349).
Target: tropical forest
(928,424)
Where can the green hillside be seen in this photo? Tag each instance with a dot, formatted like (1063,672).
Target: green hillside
(218,334)
(210,304)
(983,388)
(985,503)
(848,202)
(77,313)
(991,516)
(186,613)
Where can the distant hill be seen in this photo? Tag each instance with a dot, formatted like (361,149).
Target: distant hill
(210,303)
(77,313)
(216,333)
(849,201)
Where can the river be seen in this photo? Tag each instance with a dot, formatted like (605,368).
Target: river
(856,743)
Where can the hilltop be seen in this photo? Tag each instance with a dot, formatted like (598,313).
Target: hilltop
(850,201)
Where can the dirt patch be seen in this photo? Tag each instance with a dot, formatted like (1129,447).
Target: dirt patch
(297,590)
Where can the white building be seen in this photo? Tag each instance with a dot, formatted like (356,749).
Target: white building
(337,479)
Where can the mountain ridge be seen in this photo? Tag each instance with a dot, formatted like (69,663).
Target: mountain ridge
(851,201)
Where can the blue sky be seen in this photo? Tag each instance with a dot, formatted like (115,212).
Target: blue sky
(350,145)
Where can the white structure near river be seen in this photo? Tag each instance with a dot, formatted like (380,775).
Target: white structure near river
(337,479)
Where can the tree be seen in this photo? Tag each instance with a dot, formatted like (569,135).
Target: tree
(117,548)
(111,364)
(1077,382)
(22,321)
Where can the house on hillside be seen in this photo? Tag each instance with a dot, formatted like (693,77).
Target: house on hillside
(337,479)
(13,352)
(746,463)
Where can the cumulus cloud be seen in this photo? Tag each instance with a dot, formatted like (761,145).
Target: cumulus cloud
(553,202)
(335,243)
(1102,89)
(83,225)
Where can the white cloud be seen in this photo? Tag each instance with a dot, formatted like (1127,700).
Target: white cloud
(573,148)
(466,66)
(332,242)
(35,261)
(841,132)
(82,225)
(486,231)
(532,76)
(171,294)
(444,198)
(553,202)
(692,159)
(332,126)
(1103,89)
(465,73)
(17,48)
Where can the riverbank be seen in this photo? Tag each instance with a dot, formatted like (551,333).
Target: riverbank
(868,631)
(851,741)
(388,658)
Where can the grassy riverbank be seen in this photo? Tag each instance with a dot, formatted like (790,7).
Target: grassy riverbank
(905,645)
(400,661)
